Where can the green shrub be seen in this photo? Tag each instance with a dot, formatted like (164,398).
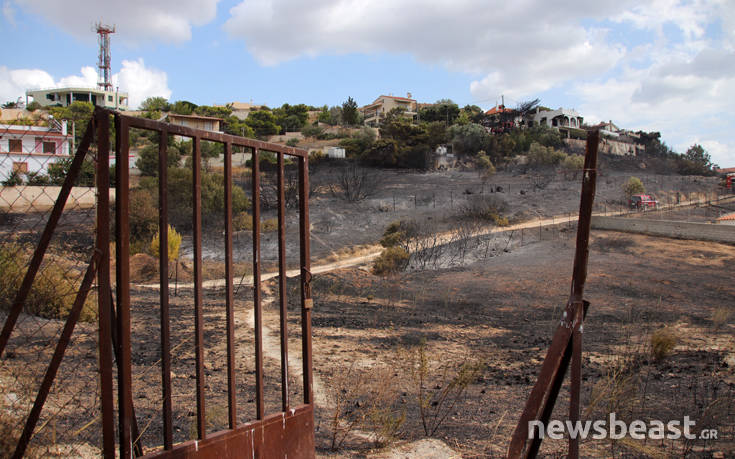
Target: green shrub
(174,243)
(663,342)
(143,219)
(541,156)
(633,186)
(486,207)
(15,178)
(244,222)
(573,163)
(292,142)
(54,289)
(391,260)
(269,224)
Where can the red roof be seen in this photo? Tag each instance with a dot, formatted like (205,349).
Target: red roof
(498,109)
(727,170)
(727,217)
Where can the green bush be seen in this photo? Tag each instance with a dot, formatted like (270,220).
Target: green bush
(15,178)
(310,130)
(54,289)
(485,207)
(633,186)
(143,218)
(541,156)
(391,260)
(244,222)
(269,224)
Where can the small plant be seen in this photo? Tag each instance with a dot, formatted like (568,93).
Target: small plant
(663,342)
(292,142)
(269,224)
(390,261)
(365,400)
(244,222)
(174,243)
(440,386)
(721,316)
(486,207)
(15,178)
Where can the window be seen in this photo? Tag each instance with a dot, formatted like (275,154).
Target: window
(20,167)
(49,147)
(50,97)
(109,98)
(15,145)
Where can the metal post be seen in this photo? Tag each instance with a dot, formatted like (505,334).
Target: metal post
(198,300)
(229,296)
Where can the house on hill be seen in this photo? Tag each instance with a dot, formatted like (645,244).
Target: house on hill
(560,118)
(206,123)
(63,97)
(30,149)
(241,110)
(375,113)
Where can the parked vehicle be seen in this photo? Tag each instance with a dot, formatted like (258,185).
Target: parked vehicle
(642,202)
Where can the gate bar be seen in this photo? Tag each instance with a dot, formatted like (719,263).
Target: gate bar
(104,294)
(306,301)
(540,403)
(198,319)
(282,283)
(163,279)
(229,297)
(257,307)
(122,272)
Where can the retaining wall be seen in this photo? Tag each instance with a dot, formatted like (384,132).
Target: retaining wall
(41,198)
(682,230)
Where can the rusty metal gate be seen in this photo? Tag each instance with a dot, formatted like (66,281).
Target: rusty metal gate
(289,432)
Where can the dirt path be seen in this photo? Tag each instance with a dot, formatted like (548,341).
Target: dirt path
(444,238)
(272,350)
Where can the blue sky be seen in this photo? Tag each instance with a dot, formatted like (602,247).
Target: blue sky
(666,65)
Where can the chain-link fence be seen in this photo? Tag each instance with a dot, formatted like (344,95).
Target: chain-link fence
(34,161)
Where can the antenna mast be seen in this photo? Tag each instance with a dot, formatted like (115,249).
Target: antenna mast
(104,80)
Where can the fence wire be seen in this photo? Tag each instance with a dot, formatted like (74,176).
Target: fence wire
(33,164)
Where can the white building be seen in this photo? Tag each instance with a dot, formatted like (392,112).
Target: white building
(560,118)
(27,149)
(64,97)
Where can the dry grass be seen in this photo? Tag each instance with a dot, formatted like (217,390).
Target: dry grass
(663,342)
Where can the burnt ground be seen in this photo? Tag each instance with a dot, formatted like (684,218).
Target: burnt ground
(498,313)
(502,312)
(436,199)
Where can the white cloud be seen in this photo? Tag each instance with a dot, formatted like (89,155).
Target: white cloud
(13,83)
(137,21)
(681,84)
(88,79)
(520,47)
(139,81)
(9,12)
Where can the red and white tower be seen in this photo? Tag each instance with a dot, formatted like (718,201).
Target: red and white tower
(104,80)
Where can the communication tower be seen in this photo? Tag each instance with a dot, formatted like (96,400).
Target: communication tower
(104,80)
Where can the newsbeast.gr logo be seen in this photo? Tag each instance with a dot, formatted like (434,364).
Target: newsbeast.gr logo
(616,429)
